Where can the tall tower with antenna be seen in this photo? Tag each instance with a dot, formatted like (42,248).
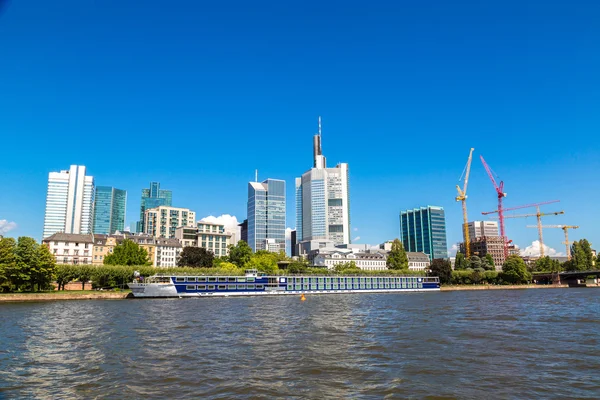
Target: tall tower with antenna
(322,201)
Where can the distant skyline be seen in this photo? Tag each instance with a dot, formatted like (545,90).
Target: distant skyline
(198,96)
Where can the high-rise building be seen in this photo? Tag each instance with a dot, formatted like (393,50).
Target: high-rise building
(163,221)
(266,215)
(479,229)
(69,202)
(244,230)
(323,200)
(151,198)
(424,230)
(109,210)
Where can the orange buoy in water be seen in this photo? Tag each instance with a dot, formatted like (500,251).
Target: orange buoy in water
(302,298)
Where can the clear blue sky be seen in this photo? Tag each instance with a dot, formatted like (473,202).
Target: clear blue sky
(197,95)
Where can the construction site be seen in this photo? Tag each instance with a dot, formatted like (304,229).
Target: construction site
(481,238)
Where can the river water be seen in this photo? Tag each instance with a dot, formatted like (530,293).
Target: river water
(507,344)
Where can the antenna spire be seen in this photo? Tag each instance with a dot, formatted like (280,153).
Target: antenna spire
(319,125)
(256,175)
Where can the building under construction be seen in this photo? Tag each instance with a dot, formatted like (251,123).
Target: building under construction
(494,245)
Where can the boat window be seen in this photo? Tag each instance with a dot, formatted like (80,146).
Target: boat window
(231,287)
(241,287)
(251,287)
(211,287)
(180,279)
(213,279)
(260,286)
(222,279)
(231,279)
(242,279)
(201,279)
(201,287)
(222,287)
(190,287)
(191,279)
(250,279)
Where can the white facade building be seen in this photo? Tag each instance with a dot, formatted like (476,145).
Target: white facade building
(167,252)
(69,202)
(213,237)
(417,261)
(210,236)
(479,229)
(364,261)
(322,200)
(69,248)
(164,220)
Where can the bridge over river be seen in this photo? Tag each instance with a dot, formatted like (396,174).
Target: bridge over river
(575,278)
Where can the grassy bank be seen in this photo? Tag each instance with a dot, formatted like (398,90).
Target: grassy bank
(450,288)
(64,295)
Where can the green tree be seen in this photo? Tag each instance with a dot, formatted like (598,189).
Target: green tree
(514,270)
(85,272)
(297,267)
(240,254)
(546,264)
(474,262)
(582,258)
(27,261)
(8,263)
(442,269)
(196,257)
(490,262)
(348,267)
(127,253)
(263,261)
(397,259)
(230,268)
(460,263)
(45,269)
(64,274)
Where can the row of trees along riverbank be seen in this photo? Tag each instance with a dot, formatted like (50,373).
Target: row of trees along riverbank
(28,266)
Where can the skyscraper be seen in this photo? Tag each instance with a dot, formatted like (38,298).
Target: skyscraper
(266,215)
(424,230)
(109,210)
(152,198)
(322,200)
(69,202)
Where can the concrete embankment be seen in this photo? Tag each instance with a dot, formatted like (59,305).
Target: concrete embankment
(63,296)
(499,287)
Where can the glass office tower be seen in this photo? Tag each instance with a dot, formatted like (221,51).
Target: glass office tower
(424,230)
(266,215)
(109,210)
(151,198)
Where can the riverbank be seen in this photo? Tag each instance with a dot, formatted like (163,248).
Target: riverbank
(66,295)
(452,288)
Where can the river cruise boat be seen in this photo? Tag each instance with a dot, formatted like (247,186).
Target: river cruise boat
(254,284)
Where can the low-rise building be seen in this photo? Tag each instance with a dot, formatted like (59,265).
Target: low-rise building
(163,221)
(70,248)
(105,244)
(210,236)
(418,261)
(167,252)
(375,261)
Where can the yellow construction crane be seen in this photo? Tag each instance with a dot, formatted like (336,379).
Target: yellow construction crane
(539,216)
(462,196)
(565,228)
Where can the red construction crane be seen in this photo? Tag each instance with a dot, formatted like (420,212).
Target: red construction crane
(500,193)
(538,215)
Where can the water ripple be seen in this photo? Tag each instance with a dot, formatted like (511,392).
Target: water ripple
(468,345)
